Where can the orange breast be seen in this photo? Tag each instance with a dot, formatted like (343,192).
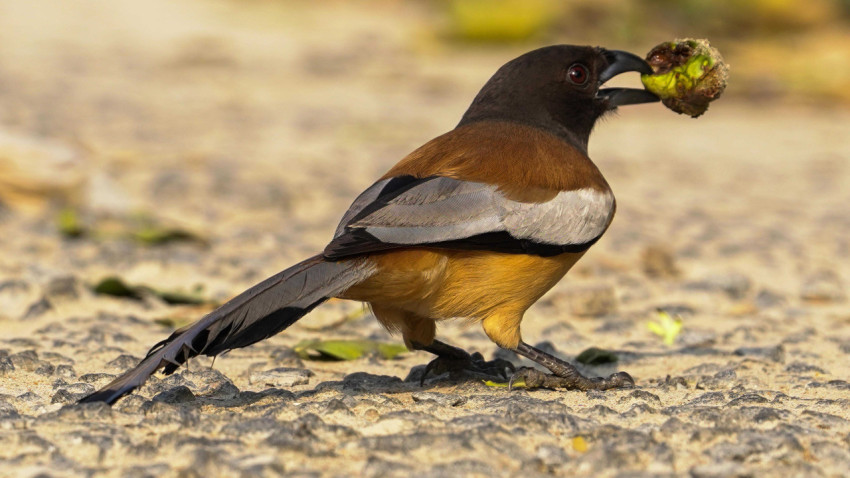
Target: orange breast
(474,285)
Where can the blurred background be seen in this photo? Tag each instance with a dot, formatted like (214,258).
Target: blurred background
(147,137)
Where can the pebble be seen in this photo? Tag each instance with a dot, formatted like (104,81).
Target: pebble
(441,399)
(775,353)
(26,360)
(281,377)
(804,368)
(659,262)
(823,286)
(734,285)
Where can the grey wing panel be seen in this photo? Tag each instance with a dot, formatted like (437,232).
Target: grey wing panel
(440,210)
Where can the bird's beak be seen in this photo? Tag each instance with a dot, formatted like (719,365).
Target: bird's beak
(622,62)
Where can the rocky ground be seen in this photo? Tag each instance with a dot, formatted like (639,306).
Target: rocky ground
(253,132)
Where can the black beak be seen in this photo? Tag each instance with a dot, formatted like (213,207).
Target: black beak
(622,62)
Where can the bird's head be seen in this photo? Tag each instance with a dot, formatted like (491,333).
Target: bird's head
(559,88)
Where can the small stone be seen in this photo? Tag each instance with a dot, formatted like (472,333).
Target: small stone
(252,426)
(823,286)
(6,366)
(638,409)
(776,353)
(643,396)
(97,377)
(601,411)
(7,410)
(63,396)
(721,380)
(366,382)
(130,404)
(336,405)
(800,367)
(281,377)
(658,261)
(72,393)
(180,394)
(446,400)
(210,383)
(673,383)
(56,358)
(767,299)
(552,456)
(66,372)
(764,415)
(122,363)
(733,284)
(710,398)
(161,413)
(674,425)
(747,398)
(28,398)
(45,368)
(26,360)
(15,298)
(66,288)
(37,308)
(824,421)
(833,384)
(801,336)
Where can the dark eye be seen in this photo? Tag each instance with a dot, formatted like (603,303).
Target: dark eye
(577,74)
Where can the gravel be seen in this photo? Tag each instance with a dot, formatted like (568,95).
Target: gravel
(259,149)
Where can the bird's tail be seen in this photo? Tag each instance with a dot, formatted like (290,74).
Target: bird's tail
(258,313)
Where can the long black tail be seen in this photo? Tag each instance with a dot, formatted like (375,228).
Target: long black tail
(258,313)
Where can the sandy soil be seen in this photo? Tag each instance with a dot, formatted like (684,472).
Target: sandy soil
(255,128)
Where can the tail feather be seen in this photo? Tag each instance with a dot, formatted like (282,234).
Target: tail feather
(258,313)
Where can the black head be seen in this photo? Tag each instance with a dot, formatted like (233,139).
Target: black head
(558,88)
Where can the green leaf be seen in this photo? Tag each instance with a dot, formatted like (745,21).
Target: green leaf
(179,298)
(391,351)
(517,384)
(116,287)
(69,224)
(666,327)
(596,356)
(346,349)
(154,236)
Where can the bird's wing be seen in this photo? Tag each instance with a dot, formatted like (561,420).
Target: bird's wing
(450,213)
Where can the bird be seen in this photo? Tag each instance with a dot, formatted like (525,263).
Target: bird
(476,224)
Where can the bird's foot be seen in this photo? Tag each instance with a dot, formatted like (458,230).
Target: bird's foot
(467,363)
(533,378)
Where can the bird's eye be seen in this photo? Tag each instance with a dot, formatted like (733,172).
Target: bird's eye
(577,74)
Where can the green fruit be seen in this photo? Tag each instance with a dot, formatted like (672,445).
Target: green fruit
(689,74)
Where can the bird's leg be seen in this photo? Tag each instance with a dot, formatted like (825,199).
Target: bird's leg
(454,359)
(565,375)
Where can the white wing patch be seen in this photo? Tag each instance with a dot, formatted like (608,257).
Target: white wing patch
(571,217)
